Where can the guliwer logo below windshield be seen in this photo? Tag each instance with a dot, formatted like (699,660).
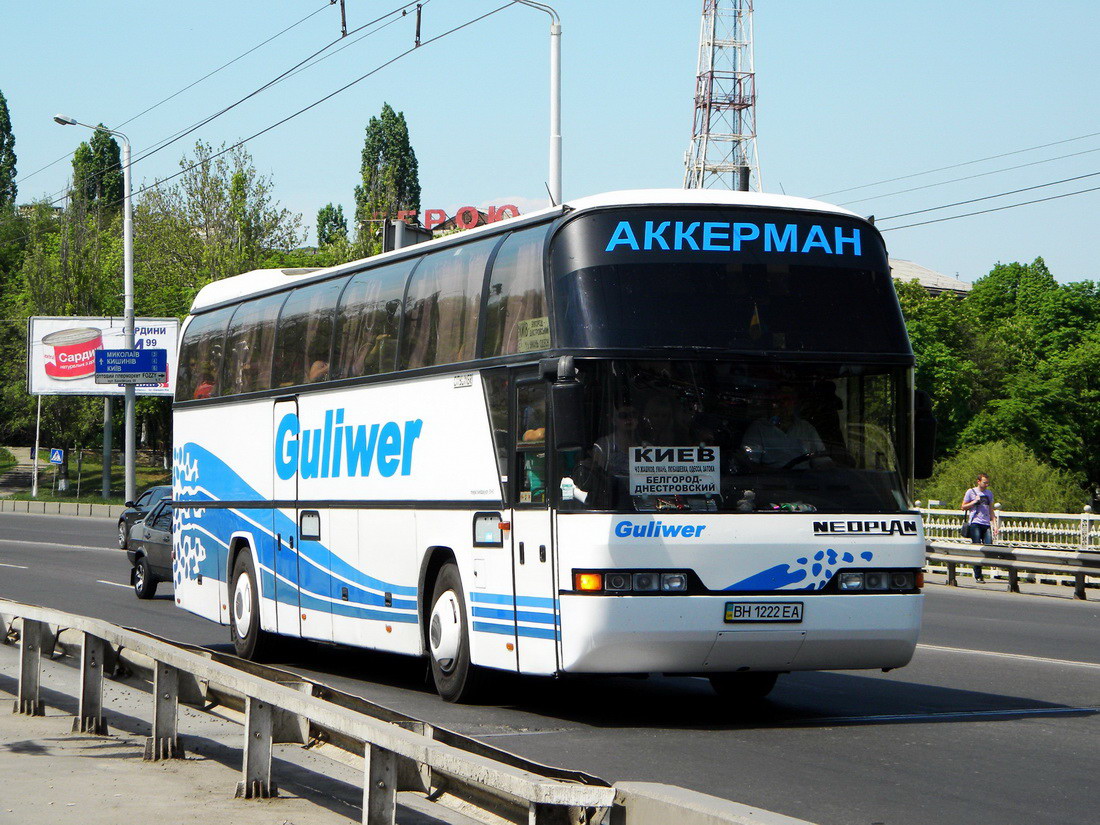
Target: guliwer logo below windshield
(338,449)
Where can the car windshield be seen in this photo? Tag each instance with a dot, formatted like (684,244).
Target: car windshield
(740,437)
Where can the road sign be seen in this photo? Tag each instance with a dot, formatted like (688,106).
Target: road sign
(57,456)
(131,366)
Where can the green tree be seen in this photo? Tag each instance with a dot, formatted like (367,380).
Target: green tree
(332,228)
(391,181)
(8,189)
(217,219)
(945,344)
(97,172)
(1020,481)
(69,267)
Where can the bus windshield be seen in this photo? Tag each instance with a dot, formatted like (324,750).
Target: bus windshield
(724,436)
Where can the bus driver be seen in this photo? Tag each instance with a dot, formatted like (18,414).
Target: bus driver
(783,438)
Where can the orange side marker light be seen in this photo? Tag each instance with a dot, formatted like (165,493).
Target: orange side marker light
(588,581)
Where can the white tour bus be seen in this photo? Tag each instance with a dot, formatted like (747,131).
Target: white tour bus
(643,432)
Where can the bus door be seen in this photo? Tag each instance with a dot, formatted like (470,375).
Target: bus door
(532,534)
(284,496)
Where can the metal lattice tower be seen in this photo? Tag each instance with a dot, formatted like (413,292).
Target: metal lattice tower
(723,139)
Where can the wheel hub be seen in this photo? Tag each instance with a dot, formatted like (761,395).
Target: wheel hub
(242,606)
(445,630)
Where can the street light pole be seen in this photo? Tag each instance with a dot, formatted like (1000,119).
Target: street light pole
(555,98)
(127,294)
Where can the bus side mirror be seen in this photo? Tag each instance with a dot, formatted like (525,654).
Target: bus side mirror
(567,403)
(924,435)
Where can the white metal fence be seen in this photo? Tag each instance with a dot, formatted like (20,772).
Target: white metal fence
(1050,531)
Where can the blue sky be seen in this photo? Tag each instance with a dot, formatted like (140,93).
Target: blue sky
(849,94)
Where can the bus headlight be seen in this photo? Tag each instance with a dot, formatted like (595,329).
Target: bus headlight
(876,580)
(851,581)
(645,582)
(617,582)
(901,581)
(674,582)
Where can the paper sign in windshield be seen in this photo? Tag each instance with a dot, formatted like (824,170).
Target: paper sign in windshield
(673,471)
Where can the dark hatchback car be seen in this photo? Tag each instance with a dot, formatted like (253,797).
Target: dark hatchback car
(137,510)
(150,550)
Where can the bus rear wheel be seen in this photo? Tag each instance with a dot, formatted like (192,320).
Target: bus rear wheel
(249,640)
(751,686)
(456,679)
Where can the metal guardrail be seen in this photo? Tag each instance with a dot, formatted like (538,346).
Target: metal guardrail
(1048,531)
(399,753)
(271,707)
(1016,559)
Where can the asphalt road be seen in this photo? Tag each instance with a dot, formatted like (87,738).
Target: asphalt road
(995,721)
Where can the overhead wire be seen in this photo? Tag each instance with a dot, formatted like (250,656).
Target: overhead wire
(989,197)
(995,209)
(189,86)
(958,165)
(327,97)
(60,196)
(375,70)
(299,66)
(970,177)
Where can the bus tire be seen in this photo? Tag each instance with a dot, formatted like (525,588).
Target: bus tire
(145,584)
(456,679)
(249,640)
(751,686)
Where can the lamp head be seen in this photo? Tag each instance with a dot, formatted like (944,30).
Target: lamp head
(64,120)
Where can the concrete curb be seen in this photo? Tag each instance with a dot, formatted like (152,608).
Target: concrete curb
(651,803)
(62,508)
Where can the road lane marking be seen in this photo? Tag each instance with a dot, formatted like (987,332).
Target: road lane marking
(939,717)
(113,584)
(1019,656)
(16,566)
(52,544)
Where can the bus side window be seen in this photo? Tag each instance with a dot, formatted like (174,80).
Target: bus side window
(201,356)
(442,306)
(304,334)
(531,443)
(515,312)
(367,319)
(249,346)
(496,397)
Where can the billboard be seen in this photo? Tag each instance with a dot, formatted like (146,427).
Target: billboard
(61,353)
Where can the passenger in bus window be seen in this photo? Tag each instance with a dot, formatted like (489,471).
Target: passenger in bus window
(608,459)
(318,371)
(784,440)
(206,384)
(658,424)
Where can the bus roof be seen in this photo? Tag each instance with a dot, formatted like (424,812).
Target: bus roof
(263,280)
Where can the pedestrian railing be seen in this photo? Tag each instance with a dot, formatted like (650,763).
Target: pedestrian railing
(399,753)
(1050,531)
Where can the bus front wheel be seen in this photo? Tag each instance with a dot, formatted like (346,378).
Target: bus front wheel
(751,686)
(449,639)
(249,640)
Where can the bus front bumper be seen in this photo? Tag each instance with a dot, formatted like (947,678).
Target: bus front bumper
(689,634)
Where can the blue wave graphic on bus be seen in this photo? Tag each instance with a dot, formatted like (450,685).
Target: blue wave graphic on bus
(200,476)
(812,573)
